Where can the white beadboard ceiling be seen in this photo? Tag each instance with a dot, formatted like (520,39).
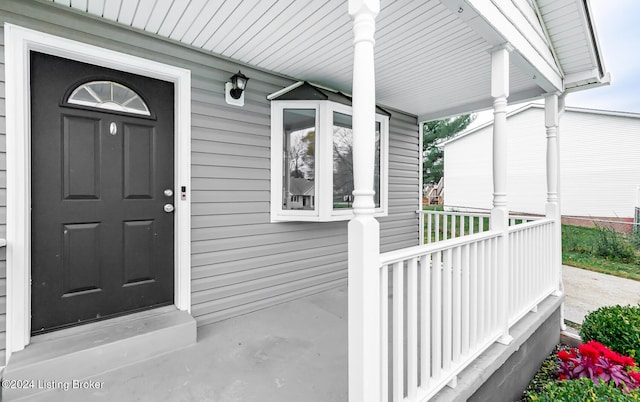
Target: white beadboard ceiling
(429,61)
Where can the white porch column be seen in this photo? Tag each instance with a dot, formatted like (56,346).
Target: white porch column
(364,230)
(500,213)
(553,105)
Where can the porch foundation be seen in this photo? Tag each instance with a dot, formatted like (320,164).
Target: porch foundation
(502,372)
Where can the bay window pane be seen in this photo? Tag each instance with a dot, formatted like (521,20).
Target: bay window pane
(343,162)
(376,169)
(299,158)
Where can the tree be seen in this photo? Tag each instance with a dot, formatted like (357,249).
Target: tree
(300,149)
(433,133)
(342,161)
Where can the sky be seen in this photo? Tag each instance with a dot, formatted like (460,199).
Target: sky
(618,30)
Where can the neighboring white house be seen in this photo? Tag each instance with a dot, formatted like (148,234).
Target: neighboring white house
(599,167)
(301,193)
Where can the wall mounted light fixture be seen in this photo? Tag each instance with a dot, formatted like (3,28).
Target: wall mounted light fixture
(234,90)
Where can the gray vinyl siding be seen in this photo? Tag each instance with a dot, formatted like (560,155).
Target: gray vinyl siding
(3,204)
(240,261)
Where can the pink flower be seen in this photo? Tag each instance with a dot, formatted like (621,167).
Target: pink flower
(597,362)
(564,355)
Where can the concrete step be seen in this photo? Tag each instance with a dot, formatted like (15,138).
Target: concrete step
(58,359)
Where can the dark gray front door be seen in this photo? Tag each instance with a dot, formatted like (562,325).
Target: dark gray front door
(102,243)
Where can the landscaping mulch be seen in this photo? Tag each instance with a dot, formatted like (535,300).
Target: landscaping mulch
(548,372)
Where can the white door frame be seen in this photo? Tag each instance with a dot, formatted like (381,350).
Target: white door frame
(19,42)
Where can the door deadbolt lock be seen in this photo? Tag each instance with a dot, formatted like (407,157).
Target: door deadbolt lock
(168,208)
(168,192)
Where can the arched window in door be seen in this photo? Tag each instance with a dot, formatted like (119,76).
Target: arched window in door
(109,95)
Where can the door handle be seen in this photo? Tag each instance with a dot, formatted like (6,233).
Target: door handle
(168,208)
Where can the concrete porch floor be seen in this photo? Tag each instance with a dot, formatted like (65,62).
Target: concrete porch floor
(296,351)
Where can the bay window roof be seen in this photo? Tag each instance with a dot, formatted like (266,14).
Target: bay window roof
(305,91)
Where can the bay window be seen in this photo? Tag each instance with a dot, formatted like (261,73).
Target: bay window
(312,156)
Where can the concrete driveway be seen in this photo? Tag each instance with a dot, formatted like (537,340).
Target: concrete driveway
(587,291)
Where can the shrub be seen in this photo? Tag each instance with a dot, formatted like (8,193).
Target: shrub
(595,361)
(613,245)
(576,239)
(618,327)
(582,390)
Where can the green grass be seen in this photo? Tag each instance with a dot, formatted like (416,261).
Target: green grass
(432,208)
(583,248)
(595,249)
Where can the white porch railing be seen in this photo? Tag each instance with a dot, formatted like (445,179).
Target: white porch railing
(440,307)
(443,225)
(532,276)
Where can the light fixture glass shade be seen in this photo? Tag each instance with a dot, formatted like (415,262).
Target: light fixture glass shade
(239,82)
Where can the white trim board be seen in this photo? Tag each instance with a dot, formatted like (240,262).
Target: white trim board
(19,42)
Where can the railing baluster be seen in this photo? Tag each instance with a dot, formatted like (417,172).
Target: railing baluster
(436,314)
(453,226)
(465,300)
(494,284)
(445,227)
(429,218)
(549,262)
(425,319)
(529,259)
(473,296)
(491,264)
(446,309)
(462,233)
(457,303)
(536,266)
(471,223)
(529,243)
(516,272)
(398,331)
(533,264)
(513,278)
(384,333)
(523,269)
(482,308)
(412,328)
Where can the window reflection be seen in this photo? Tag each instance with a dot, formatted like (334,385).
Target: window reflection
(343,162)
(299,159)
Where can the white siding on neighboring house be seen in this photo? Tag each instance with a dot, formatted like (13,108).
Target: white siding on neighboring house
(600,163)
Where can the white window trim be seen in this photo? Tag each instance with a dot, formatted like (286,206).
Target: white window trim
(277,144)
(19,42)
(323,208)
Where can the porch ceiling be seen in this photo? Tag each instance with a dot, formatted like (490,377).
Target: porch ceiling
(429,61)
